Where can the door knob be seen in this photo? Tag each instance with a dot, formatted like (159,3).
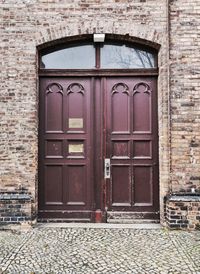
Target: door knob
(107,168)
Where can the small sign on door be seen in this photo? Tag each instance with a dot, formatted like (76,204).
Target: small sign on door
(75,122)
(75,148)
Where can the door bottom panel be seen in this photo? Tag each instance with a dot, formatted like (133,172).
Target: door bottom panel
(132,217)
(65,216)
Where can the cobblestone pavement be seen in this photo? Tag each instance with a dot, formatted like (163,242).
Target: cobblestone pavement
(44,250)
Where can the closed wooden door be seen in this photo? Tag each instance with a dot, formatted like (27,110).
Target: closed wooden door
(132,147)
(66,158)
(98,148)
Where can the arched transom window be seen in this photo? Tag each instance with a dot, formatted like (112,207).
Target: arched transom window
(99,56)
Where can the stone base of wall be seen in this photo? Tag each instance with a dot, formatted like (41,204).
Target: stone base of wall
(183,211)
(14,207)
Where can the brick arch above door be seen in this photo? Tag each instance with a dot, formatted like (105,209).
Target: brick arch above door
(60,31)
(141,35)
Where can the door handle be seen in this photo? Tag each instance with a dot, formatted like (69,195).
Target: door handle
(107,168)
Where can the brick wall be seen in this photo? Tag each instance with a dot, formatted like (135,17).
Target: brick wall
(27,24)
(184,94)
(183,212)
(15,207)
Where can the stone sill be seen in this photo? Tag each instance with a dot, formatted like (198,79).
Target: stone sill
(192,197)
(14,196)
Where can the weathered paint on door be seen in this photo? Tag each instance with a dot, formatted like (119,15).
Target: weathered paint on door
(132,145)
(85,120)
(66,159)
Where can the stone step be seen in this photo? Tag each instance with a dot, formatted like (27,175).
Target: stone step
(133,221)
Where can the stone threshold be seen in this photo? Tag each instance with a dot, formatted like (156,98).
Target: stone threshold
(98,225)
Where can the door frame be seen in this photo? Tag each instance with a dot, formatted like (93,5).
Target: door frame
(100,186)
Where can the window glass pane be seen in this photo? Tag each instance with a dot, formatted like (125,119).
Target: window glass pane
(82,57)
(122,57)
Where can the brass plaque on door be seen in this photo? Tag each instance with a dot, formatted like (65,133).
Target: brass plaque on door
(75,122)
(75,148)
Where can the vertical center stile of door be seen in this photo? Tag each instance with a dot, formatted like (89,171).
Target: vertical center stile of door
(93,145)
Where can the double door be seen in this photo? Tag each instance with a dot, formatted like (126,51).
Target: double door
(98,148)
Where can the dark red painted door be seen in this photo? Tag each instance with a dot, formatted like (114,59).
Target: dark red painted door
(132,147)
(84,121)
(66,158)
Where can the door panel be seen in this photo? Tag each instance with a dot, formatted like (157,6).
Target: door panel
(54,108)
(53,185)
(143,185)
(76,107)
(142,149)
(76,190)
(121,149)
(120,105)
(132,145)
(142,111)
(66,159)
(121,193)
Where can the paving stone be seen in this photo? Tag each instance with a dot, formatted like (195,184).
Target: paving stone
(89,250)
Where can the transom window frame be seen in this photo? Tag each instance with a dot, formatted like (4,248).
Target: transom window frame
(112,39)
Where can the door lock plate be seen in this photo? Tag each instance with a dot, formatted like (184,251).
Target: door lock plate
(107,168)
